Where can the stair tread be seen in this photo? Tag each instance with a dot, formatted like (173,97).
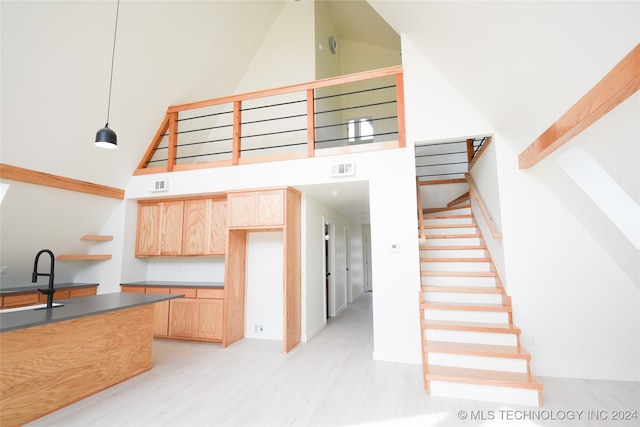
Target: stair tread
(483,377)
(463,289)
(490,350)
(469,306)
(454,325)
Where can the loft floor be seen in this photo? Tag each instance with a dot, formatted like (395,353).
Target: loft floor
(328,381)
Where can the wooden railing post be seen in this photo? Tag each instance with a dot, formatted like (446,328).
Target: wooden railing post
(402,136)
(173,141)
(469,150)
(237,132)
(311,124)
(423,236)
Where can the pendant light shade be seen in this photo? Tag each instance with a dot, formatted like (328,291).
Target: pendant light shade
(105,137)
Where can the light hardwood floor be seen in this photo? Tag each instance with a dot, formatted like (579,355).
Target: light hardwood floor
(329,381)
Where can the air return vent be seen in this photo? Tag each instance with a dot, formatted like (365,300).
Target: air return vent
(160,185)
(343,169)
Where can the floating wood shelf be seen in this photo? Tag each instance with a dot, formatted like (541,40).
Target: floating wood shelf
(83,257)
(96,238)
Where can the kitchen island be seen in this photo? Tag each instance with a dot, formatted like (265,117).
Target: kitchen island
(53,357)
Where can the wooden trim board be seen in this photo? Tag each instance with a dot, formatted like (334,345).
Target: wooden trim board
(15,173)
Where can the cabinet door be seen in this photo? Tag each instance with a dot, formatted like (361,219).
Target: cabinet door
(209,319)
(183,315)
(171,227)
(147,238)
(12,301)
(241,209)
(218,229)
(160,313)
(269,207)
(82,292)
(196,225)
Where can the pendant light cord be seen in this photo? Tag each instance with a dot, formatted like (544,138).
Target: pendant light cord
(113,55)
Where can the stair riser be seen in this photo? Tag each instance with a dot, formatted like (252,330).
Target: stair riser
(462,297)
(452,253)
(452,211)
(467,316)
(453,241)
(445,230)
(455,266)
(479,362)
(509,395)
(491,338)
(447,221)
(487,282)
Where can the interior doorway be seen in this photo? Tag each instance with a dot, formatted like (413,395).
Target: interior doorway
(366,241)
(329,264)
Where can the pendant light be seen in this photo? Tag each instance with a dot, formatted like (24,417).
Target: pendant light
(105,137)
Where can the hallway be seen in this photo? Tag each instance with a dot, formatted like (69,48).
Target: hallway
(328,381)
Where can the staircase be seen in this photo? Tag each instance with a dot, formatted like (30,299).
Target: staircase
(470,346)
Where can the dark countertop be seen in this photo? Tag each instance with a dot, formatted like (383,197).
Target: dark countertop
(167,284)
(34,287)
(75,308)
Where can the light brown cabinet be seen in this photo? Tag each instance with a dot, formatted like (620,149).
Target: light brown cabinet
(159,231)
(160,312)
(35,297)
(198,316)
(204,227)
(260,208)
(189,227)
(254,211)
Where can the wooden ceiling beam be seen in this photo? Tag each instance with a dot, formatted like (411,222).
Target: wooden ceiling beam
(619,84)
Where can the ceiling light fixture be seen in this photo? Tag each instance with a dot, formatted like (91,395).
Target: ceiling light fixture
(105,137)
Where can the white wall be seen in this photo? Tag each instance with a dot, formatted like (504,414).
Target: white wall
(33,217)
(264,305)
(569,296)
(485,177)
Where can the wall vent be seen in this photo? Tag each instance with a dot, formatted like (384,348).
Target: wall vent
(160,185)
(343,169)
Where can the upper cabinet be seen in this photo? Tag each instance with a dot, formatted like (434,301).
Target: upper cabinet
(261,208)
(159,231)
(204,227)
(190,227)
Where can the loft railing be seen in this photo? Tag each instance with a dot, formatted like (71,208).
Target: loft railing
(351,113)
(449,159)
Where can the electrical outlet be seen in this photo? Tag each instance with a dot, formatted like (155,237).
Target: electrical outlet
(3,269)
(258,329)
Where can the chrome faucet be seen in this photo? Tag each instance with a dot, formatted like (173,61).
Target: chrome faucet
(34,277)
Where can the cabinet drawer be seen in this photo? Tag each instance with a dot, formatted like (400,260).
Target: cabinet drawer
(158,290)
(187,292)
(82,292)
(58,295)
(134,289)
(211,293)
(11,301)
